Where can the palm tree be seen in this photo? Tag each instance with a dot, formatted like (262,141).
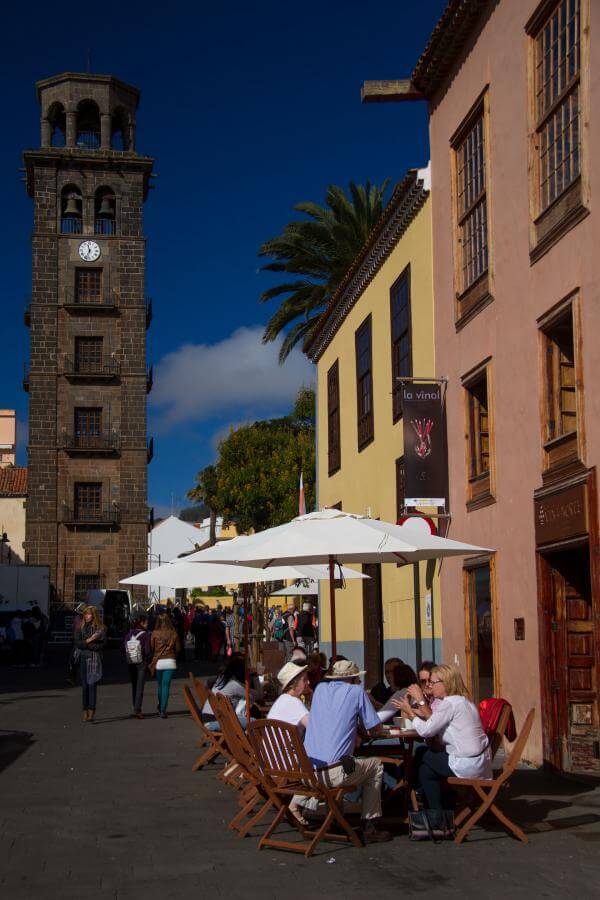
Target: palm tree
(320,249)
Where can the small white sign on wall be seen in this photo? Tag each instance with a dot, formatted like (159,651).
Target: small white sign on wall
(428,609)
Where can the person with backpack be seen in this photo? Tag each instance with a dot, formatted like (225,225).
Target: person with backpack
(138,655)
(306,633)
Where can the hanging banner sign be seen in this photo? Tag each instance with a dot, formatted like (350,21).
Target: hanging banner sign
(425,469)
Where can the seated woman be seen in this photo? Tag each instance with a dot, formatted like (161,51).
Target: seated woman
(395,671)
(231,683)
(289,707)
(455,721)
(402,679)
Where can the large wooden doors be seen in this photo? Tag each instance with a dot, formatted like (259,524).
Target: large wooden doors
(372,624)
(571,679)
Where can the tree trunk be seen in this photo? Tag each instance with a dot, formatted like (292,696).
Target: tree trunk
(212,534)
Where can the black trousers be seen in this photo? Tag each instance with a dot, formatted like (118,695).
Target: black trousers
(137,675)
(432,773)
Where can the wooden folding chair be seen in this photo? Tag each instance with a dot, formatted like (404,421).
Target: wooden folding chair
(283,761)
(259,791)
(212,740)
(487,791)
(500,731)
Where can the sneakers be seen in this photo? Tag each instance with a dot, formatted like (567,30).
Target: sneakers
(371,834)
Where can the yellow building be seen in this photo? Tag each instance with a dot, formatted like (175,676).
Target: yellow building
(378,326)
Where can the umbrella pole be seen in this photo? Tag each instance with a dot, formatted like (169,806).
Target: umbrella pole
(246,656)
(332,605)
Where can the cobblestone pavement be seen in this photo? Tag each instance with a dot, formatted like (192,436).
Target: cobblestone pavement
(112,810)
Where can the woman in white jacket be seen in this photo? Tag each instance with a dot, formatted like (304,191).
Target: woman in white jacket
(456,724)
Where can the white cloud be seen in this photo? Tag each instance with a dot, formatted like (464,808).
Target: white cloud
(239,375)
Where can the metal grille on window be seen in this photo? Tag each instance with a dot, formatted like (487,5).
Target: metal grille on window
(472,205)
(88,354)
(401,348)
(88,427)
(88,501)
(88,285)
(85,583)
(557,99)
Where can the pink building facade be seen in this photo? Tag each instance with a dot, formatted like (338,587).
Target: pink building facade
(513,89)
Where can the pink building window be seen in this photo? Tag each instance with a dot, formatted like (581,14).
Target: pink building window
(557,101)
(472,218)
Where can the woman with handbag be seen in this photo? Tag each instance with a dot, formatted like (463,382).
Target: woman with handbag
(90,639)
(464,748)
(165,645)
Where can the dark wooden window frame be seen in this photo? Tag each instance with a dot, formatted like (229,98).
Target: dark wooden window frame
(364,385)
(87,426)
(480,480)
(400,487)
(469,567)
(398,335)
(563,449)
(334,450)
(84,582)
(87,498)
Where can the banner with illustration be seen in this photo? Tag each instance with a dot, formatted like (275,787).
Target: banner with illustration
(425,469)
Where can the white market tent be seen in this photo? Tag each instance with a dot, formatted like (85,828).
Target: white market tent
(184,574)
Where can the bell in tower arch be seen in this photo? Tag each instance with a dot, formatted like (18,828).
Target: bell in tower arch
(72,207)
(106,208)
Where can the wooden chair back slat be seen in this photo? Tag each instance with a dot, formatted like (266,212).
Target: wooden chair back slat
(280,750)
(235,738)
(518,747)
(501,727)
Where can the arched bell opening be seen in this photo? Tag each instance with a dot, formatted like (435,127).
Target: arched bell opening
(58,125)
(71,219)
(88,126)
(105,211)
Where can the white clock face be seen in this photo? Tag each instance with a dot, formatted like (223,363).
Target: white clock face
(89,251)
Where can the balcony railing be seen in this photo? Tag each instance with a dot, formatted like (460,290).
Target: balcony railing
(150,451)
(103,301)
(26,379)
(149,379)
(148,311)
(104,226)
(92,443)
(27,315)
(71,225)
(104,368)
(88,140)
(89,515)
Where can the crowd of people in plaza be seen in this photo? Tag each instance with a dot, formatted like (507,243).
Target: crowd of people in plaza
(25,637)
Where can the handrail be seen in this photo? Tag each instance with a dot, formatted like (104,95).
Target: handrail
(74,441)
(107,368)
(87,515)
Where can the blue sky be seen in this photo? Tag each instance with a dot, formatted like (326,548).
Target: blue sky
(247,108)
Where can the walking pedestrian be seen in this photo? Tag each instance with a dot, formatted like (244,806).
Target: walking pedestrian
(164,645)
(89,641)
(138,655)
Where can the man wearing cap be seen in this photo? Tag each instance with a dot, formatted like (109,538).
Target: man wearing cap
(339,704)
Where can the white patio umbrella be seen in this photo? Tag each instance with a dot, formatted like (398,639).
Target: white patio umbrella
(332,536)
(299,590)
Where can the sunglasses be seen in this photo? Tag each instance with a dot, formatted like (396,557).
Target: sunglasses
(436,682)
(424,681)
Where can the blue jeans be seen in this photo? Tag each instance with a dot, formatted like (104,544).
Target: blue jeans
(163,681)
(214,725)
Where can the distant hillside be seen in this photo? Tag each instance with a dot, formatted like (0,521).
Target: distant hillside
(194,513)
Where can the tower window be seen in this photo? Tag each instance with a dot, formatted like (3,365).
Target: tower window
(120,132)
(88,285)
(88,426)
(70,210)
(88,501)
(88,354)
(58,125)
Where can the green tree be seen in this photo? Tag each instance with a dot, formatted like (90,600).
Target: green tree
(258,469)
(320,249)
(205,491)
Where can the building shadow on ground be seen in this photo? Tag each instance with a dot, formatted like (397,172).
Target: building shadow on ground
(12,745)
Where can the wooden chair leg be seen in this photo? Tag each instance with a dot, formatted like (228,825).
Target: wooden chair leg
(264,839)
(319,834)
(485,805)
(508,824)
(256,819)
(243,812)
(205,758)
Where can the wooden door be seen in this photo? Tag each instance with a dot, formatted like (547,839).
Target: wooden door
(372,624)
(573,688)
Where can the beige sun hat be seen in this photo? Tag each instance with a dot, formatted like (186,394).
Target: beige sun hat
(288,673)
(345,668)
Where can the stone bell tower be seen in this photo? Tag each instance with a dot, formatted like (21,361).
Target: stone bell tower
(87,514)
